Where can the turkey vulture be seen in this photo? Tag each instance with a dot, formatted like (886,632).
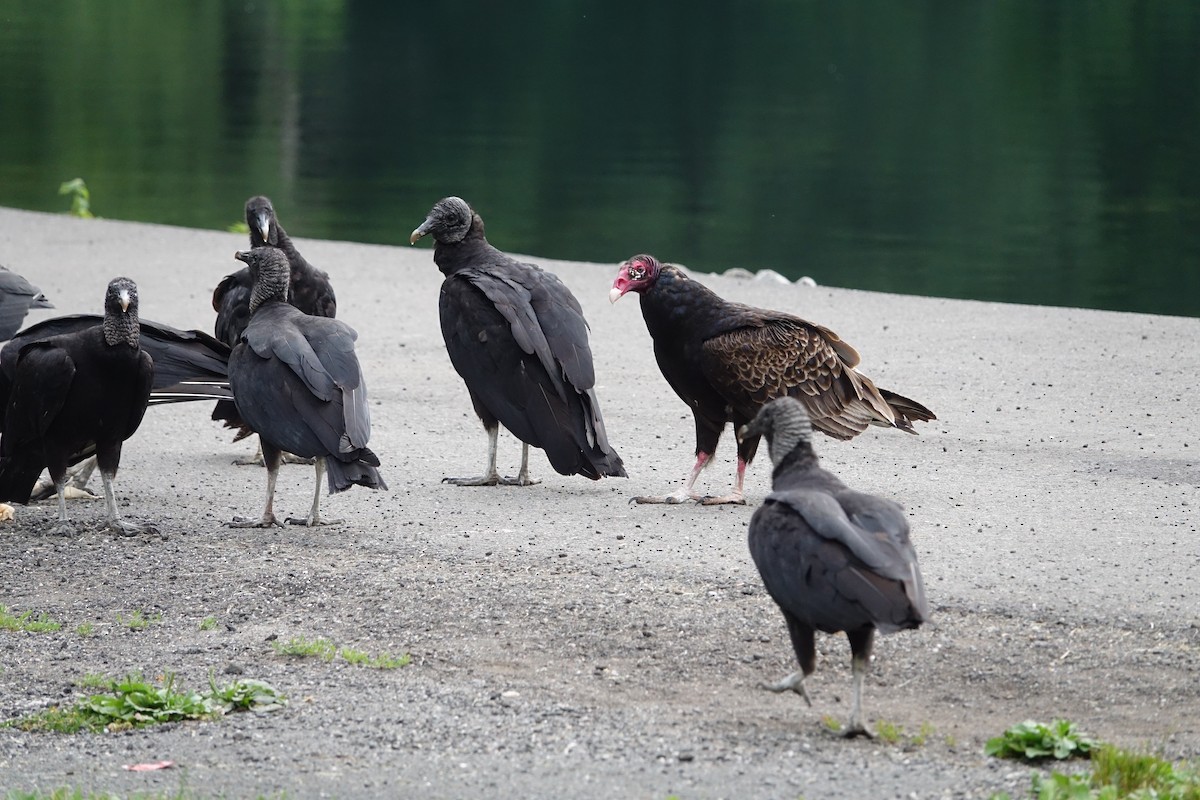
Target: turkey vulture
(74,394)
(832,559)
(188,365)
(309,290)
(726,360)
(518,338)
(17,296)
(297,384)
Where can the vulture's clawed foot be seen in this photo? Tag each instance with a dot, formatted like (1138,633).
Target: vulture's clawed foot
(674,498)
(857,728)
(478,480)
(266,521)
(732,499)
(520,480)
(313,522)
(792,683)
(62,528)
(122,527)
(255,460)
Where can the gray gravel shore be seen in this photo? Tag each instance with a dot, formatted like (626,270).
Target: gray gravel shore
(568,644)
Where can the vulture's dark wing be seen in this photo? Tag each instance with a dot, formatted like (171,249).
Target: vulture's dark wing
(312,291)
(770,356)
(186,363)
(299,384)
(832,572)
(520,343)
(41,379)
(231,301)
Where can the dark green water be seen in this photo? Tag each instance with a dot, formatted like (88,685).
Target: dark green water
(1038,151)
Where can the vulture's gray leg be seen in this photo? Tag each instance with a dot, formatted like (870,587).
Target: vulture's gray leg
(267,520)
(256,460)
(858,724)
(115,523)
(489,477)
(522,478)
(314,513)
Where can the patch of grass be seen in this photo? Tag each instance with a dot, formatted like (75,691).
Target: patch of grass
(134,702)
(208,623)
(832,723)
(138,621)
(300,647)
(922,735)
(81,198)
(1034,741)
(238,227)
(42,623)
(85,629)
(94,680)
(888,732)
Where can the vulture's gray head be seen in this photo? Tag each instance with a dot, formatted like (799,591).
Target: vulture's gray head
(785,424)
(448,222)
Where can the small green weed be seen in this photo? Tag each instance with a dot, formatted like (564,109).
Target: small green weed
(922,736)
(1035,740)
(832,723)
(361,658)
(42,623)
(138,621)
(300,647)
(1119,775)
(81,198)
(888,731)
(238,227)
(85,629)
(208,623)
(94,680)
(133,702)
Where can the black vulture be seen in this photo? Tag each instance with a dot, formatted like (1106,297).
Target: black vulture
(74,394)
(833,559)
(309,290)
(518,338)
(298,385)
(726,360)
(17,296)
(188,365)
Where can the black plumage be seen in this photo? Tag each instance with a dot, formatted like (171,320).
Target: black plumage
(726,360)
(297,383)
(73,394)
(17,296)
(517,336)
(832,558)
(309,290)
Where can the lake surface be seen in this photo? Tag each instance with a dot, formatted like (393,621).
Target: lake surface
(1035,152)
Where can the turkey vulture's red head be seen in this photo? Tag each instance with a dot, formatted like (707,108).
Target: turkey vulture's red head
(636,275)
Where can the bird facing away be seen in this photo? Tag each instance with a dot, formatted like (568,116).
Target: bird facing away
(17,296)
(832,559)
(726,360)
(297,383)
(74,394)
(309,290)
(188,365)
(518,338)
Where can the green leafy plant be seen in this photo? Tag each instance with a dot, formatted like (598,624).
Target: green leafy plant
(208,623)
(1035,740)
(888,731)
(42,623)
(832,723)
(85,629)
(1119,775)
(134,702)
(81,198)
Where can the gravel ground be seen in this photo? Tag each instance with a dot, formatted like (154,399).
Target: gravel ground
(568,644)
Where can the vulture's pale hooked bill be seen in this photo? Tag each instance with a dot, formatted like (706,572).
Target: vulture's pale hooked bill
(726,360)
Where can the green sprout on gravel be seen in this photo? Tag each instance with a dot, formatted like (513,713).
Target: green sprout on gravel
(1034,741)
(94,680)
(85,629)
(138,621)
(208,623)
(134,702)
(42,623)
(300,647)
(832,723)
(1119,775)
(81,198)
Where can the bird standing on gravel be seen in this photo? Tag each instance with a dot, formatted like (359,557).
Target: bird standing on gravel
(518,338)
(297,383)
(309,290)
(833,559)
(74,394)
(726,360)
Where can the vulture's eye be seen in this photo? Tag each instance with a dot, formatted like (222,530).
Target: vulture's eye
(637,273)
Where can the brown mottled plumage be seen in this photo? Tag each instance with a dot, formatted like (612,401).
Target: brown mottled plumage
(726,360)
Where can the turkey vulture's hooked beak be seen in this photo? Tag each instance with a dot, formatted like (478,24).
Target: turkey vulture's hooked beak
(620,286)
(421,230)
